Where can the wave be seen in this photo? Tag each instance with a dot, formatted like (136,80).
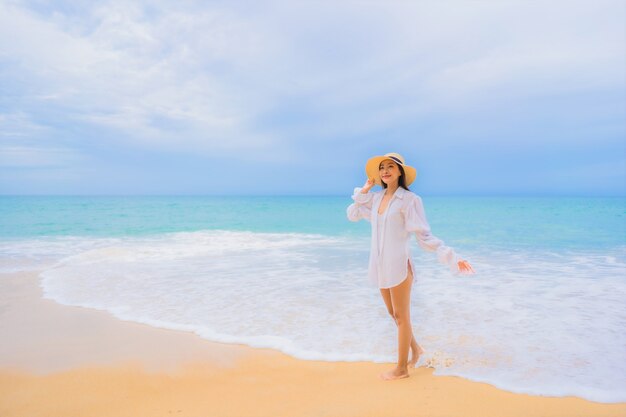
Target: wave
(536,322)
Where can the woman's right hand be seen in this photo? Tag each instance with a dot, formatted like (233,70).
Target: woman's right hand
(367,186)
(465,267)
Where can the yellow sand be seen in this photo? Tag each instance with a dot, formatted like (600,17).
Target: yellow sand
(69,361)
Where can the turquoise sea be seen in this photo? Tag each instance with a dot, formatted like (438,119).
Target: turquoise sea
(544,313)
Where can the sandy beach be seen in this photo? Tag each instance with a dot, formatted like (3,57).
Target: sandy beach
(57,360)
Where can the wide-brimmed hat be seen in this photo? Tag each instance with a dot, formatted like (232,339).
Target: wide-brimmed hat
(373,164)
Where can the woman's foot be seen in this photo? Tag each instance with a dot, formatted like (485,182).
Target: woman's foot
(396,373)
(415,356)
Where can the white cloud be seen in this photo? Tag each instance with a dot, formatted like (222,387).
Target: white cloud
(129,74)
(18,125)
(206,77)
(38,157)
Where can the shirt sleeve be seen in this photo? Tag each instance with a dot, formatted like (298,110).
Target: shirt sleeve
(415,222)
(362,206)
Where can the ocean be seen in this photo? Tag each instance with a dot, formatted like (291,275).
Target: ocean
(544,314)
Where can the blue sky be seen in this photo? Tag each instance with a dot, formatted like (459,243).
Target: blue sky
(274,97)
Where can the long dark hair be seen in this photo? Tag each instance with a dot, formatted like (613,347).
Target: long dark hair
(401,179)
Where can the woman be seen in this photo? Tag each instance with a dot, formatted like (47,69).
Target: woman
(395,212)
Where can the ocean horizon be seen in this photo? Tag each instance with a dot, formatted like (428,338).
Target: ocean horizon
(542,315)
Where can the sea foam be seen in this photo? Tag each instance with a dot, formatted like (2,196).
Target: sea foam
(537,322)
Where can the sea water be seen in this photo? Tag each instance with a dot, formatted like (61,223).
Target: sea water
(544,313)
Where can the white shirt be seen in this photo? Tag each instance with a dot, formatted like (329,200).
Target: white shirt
(391,231)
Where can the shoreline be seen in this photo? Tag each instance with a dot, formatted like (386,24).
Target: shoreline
(115,367)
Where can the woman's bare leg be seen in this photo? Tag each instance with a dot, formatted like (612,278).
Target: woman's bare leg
(416,350)
(400,299)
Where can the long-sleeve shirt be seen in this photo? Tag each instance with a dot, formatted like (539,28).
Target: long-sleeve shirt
(391,231)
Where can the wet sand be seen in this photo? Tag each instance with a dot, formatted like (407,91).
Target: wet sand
(57,360)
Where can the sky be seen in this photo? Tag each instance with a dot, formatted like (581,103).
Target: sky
(482,97)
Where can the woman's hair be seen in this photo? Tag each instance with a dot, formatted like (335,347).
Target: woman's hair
(401,179)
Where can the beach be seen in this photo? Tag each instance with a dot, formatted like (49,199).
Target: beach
(206,208)
(58,360)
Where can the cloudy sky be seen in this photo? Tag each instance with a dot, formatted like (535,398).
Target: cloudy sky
(490,97)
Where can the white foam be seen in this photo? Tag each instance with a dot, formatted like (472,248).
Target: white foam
(546,323)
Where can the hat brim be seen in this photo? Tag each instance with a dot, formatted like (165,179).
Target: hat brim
(372,170)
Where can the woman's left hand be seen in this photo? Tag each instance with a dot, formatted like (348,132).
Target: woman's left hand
(464,266)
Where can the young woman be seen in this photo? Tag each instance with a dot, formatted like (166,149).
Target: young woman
(395,213)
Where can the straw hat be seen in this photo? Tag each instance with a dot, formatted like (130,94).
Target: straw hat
(372,170)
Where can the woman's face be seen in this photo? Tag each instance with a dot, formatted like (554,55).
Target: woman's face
(389,171)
